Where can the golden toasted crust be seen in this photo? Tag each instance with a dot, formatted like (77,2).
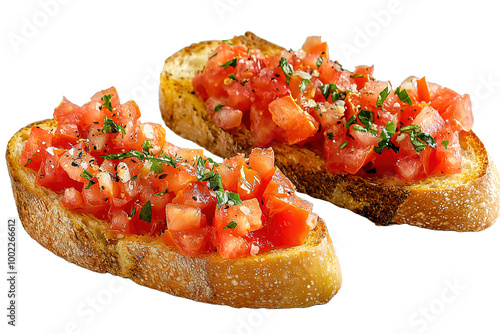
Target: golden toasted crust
(294,277)
(469,201)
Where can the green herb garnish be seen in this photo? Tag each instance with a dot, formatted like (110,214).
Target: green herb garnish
(111,127)
(28,162)
(287,69)
(343,145)
(226,197)
(215,54)
(445,143)
(382,96)
(89,177)
(387,132)
(231,63)
(107,102)
(232,77)
(350,121)
(403,95)
(319,61)
(145,213)
(303,84)
(329,135)
(218,107)
(146,146)
(132,213)
(232,225)
(156,162)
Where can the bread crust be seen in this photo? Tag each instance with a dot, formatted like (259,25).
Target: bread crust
(294,277)
(469,201)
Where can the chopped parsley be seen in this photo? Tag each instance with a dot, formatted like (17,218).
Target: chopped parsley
(350,121)
(107,102)
(111,127)
(132,213)
(387,132)
(145,213)
(218,107)
(319,61)
(89,177)
(227,42)
(232,77)
(232,225)
(215,54)
(28,162)
(418,138)
(226,197)
(366,118)
(329,135)
(162,192)
(146,146)
(359,128)
(231,63)
(343,145)
(403,95)
(382,96)
(327,89)
(357,75)
(445,143)
(287,69)
(303,84)
(156,162)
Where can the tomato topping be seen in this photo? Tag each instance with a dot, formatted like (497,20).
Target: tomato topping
(304,97)
(104,162)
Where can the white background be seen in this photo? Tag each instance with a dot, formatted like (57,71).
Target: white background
(396,279)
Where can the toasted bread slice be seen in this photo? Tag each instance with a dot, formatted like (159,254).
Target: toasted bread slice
(469,201)
(293,277)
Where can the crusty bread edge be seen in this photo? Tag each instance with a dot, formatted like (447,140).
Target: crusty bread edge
(294,277)
(451,203)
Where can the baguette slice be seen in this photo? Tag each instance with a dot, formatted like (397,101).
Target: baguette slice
(469,201)
(294,277)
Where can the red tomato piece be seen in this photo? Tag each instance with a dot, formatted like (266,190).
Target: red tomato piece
(35,149)
(67,113)
(461,111)
(72,199)
(228,118)
(297,123)
(262,161)
(229,171)
(183,217)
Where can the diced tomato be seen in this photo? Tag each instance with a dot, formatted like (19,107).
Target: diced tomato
(66,135)
(230,246)
(121,222)
(77,163)
(35,149)
(279,185)
(229,171)
(268,86)
(423,90)
(67,113)
(72,199)
(342,154)
(197,195)
(442,98)
(239,96)
(410,169)
(297,123)
(95,202)
(429,121)
(332,72)
(228,118)
(183,217)
(239,219)
(114,100)
(262,161)
(152,132)
(262,125)
(91,114)
(53,176)
(249,184)
(314,48)
(192,242)
(190,155)
(461,111)
(362,74)
(289,221)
